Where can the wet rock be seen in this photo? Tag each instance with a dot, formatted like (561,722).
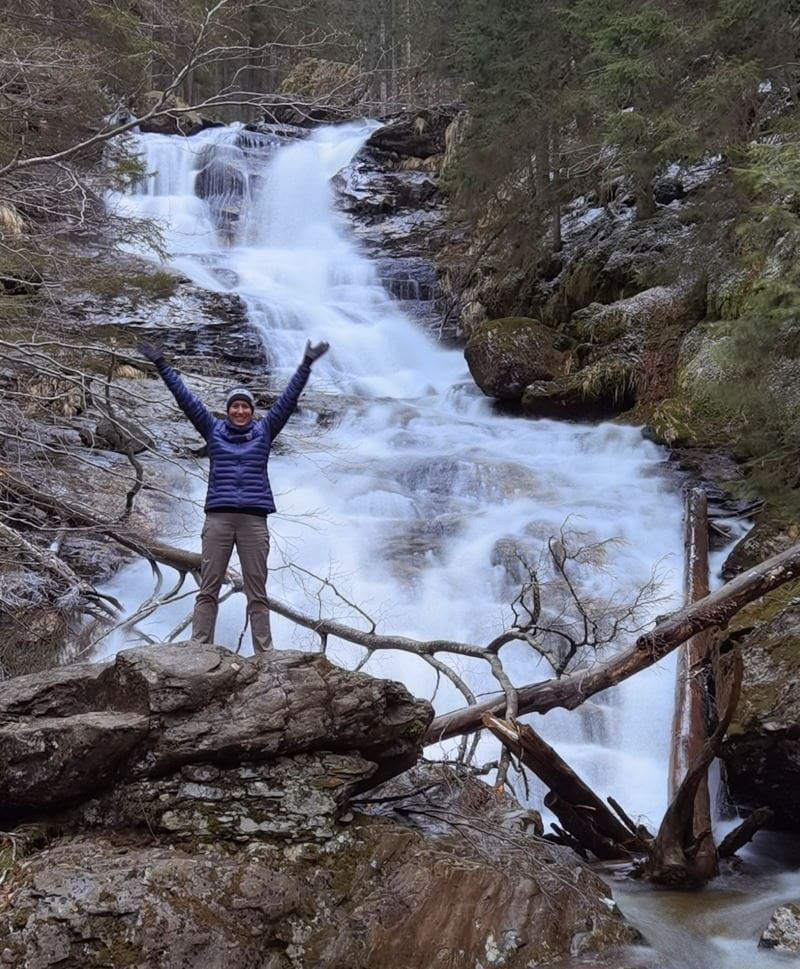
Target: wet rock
(419,134)
(94,903)
(248,773)
(761,751)
(668,189)
(371,190)
(398,216)
(298,798)
(783,932)
(505,356)
(606,387)
(506,898)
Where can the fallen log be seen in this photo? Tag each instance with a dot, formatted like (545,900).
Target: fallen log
(714,611)
(675,859)
(743,833)
(581,812)
(581,830)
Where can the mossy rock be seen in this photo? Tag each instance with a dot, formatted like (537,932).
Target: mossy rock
(728,295)
(761,751)
(600,324)
(607,386)
(506,355)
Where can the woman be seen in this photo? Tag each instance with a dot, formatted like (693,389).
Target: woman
(239,496)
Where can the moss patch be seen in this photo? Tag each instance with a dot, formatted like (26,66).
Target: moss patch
(156,285)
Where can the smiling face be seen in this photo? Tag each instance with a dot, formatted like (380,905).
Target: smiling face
(240,413)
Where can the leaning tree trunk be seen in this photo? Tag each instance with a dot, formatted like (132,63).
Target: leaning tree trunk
(690,727)
(675,858)
(714,611)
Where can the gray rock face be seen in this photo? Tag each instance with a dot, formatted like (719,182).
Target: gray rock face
(83,730)
(398,217)
(376,895)
(783,931)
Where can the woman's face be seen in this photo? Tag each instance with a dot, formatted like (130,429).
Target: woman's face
(240,413)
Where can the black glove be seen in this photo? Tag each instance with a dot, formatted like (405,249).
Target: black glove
(314,351)
(151,352)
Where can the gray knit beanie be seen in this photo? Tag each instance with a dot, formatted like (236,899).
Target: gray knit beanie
(240,393)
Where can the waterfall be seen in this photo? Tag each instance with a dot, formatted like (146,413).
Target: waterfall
(416,501)
(412,500)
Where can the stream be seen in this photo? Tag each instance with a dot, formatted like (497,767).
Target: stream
(414,504)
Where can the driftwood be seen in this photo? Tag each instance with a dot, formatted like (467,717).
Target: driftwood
(690,727)
(744,832)
(714,611)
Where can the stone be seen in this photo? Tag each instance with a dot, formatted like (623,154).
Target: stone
(157,709)
(783,932)
(608,386)
(298,799)
(377,893)
(761,751)
(419,134)
(505,356)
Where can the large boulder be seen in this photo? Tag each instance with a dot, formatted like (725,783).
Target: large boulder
(505,356)
(415,134)
(608,358)
(783,932)
(81,732)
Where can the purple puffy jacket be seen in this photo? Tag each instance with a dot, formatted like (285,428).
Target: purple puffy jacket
(238,456)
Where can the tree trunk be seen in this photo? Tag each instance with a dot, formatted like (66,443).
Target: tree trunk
(676,859)
(384,90)
(692,703)
(555,185)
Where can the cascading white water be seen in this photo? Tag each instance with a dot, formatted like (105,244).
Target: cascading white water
(415,498)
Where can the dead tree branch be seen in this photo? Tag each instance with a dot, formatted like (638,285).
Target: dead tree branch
(714,611)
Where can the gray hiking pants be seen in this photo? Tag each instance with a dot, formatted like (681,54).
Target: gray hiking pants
(248,533)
